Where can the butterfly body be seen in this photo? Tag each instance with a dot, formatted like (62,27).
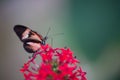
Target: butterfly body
(31,40)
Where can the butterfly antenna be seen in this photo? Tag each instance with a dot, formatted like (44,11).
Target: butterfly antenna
(48,32)
(46,37)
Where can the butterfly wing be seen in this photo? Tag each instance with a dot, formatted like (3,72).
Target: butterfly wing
(31,39)
(19,30)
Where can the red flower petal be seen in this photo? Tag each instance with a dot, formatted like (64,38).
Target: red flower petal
(57,64)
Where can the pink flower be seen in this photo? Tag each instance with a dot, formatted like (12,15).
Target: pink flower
(56,64)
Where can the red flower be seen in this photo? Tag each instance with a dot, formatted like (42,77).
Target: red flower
(57,64)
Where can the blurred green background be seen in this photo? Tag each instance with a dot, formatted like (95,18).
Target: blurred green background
(91,29)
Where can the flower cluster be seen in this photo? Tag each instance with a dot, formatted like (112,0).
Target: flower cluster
(56,64)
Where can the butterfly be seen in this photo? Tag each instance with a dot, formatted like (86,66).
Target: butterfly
(31,40)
